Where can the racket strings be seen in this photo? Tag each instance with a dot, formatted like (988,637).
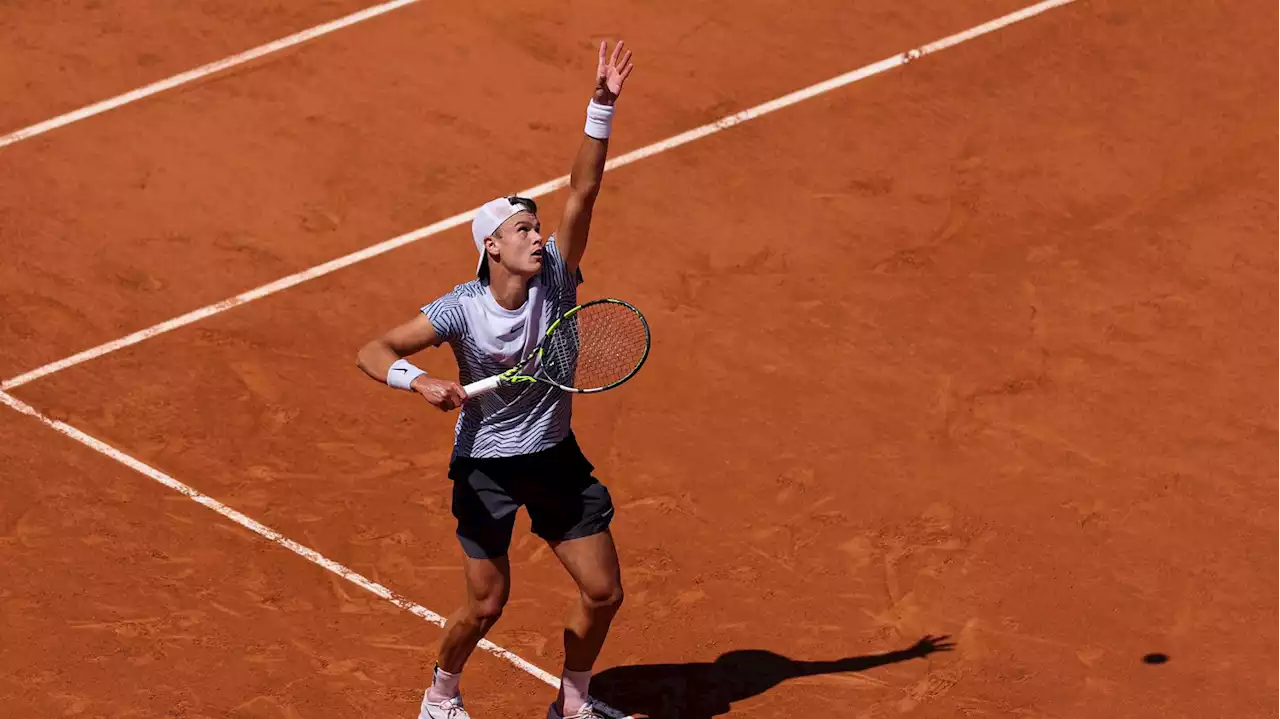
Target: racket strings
(598,346)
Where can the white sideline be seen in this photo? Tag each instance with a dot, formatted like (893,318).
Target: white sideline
(183,78)
(545,188)
(272,535)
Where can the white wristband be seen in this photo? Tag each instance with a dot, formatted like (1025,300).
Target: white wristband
(402,374)
(599,120)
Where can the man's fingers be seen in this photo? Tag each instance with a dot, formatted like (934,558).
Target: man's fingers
(456,394)
(616,49)
(626,71)
(625,60)
(448,401)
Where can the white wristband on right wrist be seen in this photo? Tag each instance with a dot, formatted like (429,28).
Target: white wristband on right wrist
(402,374)
(599,120)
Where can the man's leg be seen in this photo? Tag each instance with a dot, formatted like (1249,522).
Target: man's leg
(488,587)
(486,516)
(593,564)
(592,561)
(572,511)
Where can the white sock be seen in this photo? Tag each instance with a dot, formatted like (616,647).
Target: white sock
(574,685)
(444,686)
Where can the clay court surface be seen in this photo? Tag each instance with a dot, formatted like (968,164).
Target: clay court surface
(982,346)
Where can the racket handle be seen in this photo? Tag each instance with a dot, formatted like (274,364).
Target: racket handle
(484,386)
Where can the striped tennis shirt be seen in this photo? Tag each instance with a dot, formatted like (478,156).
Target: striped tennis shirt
(488,339)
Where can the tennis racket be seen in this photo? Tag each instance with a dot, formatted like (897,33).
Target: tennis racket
(593,347)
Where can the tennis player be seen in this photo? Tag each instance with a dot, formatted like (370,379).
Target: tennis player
(515,446)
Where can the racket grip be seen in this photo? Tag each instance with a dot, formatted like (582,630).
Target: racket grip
(484,386)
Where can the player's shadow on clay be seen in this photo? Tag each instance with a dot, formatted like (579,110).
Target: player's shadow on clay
(701,690)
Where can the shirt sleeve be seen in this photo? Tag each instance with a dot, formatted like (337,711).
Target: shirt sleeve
(559,270)
(447,317)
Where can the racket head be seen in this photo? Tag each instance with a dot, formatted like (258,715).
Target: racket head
(594,347)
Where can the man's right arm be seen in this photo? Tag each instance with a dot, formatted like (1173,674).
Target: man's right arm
(378,358)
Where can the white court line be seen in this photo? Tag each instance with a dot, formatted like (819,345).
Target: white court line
(204,70)
(436,228)
(253,525)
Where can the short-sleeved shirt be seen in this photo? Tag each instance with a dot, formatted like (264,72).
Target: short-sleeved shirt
(488,339)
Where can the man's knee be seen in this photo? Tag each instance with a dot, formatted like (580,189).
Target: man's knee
(603,597)
(488,585)
(488,609)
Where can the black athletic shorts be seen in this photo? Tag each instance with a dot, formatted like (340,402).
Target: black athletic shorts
(556,485)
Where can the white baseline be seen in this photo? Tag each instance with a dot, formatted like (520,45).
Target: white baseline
(183,78)
(272,535)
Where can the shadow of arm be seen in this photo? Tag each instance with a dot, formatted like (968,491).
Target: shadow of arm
(923,648)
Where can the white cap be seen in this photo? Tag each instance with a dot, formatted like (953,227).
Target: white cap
(491,216)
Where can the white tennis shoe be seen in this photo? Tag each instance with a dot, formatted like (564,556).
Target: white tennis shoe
(588,711)
(447,709)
